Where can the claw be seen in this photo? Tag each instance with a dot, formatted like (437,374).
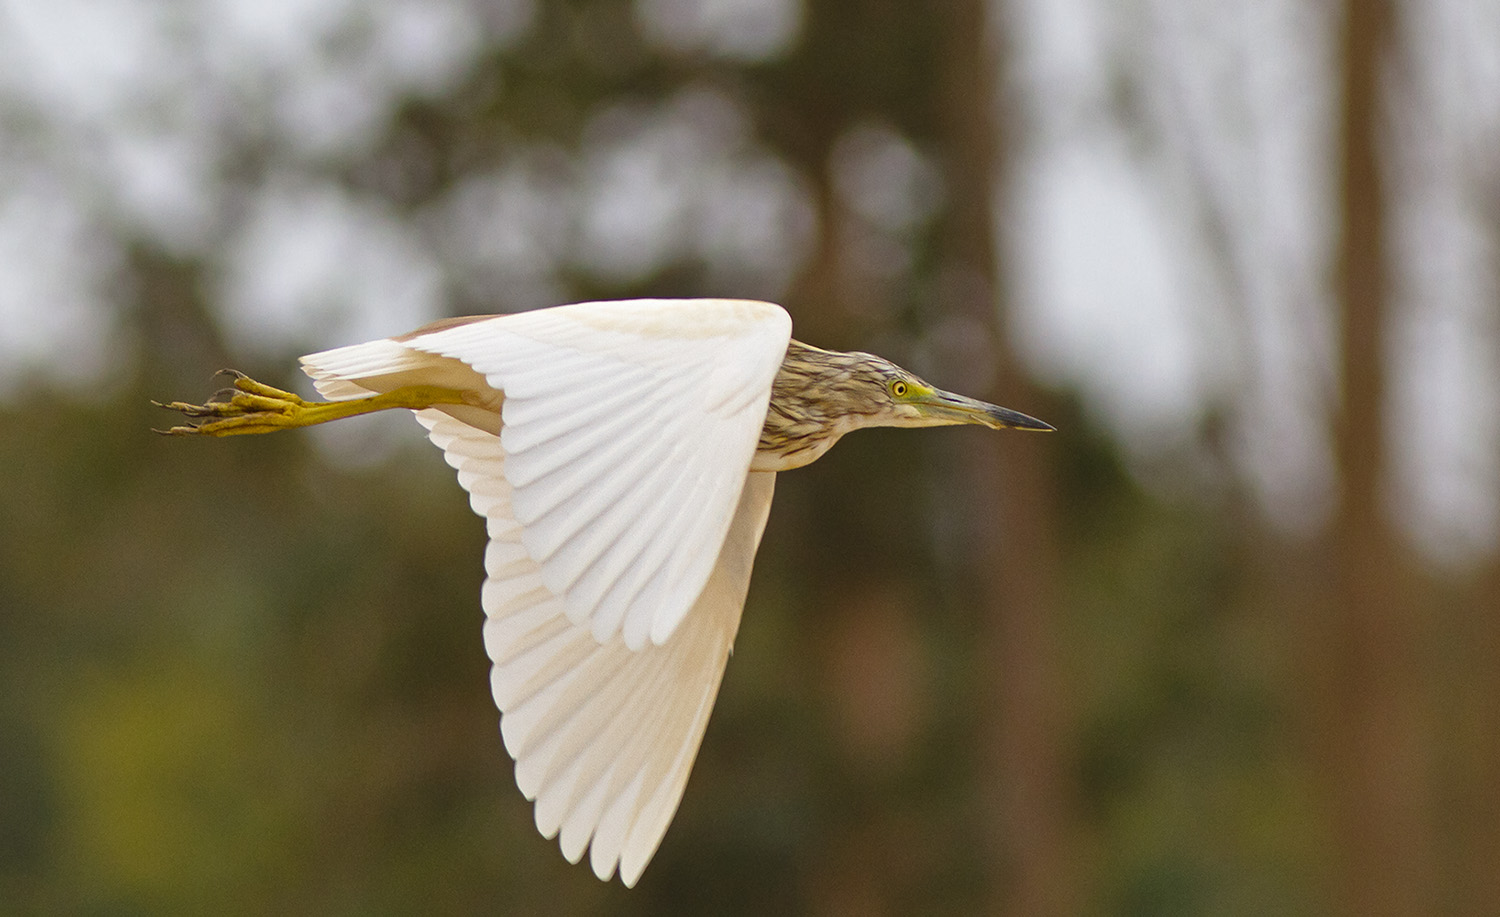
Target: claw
(188,430)
(248,407)
(211,409)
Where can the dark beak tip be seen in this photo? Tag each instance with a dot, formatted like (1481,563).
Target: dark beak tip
(1015,420)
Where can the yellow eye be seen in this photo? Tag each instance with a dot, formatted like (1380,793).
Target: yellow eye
(898,388)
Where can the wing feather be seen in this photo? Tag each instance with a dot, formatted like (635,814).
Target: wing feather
(666,385)
(622,531)
(561,418)
(575,500)
(603,736)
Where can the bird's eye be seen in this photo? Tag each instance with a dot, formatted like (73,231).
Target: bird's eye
(898,388)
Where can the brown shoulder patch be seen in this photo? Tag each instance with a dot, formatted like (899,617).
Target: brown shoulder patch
(442,324)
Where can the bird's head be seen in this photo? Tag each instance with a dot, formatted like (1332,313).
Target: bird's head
(820,395)
(903,399)
(872,391)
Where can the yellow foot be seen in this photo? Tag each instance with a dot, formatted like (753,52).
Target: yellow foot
(248,407)
(254,407)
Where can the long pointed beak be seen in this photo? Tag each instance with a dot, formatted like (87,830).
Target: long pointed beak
(950,408)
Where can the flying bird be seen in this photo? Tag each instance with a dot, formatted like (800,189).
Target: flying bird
(623,456)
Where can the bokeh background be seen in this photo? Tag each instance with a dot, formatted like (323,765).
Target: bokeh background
(1227,643)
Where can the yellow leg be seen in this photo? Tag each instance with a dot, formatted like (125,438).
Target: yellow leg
(254,407)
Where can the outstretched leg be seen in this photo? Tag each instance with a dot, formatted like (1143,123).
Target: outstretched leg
(254,407)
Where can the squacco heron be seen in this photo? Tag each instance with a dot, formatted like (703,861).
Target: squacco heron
(623,455)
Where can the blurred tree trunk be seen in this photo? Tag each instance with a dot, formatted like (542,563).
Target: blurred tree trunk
(1478,864)
(1480,883)
(1027,818)
(1373,718)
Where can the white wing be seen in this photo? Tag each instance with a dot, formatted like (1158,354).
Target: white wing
(628,430)
(604,724)
(603,736)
